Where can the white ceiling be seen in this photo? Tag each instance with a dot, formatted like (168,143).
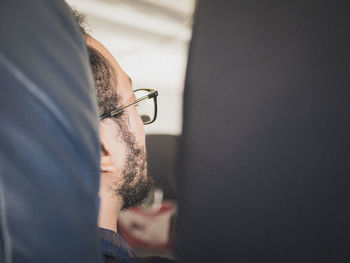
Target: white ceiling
(149,39)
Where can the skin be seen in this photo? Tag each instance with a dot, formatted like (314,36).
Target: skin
(115,150)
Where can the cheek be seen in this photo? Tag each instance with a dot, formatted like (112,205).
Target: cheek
(136,127)
(118,152)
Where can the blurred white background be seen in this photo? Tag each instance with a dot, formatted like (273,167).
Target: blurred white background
(149,39)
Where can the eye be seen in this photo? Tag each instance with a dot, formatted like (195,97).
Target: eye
(145,118)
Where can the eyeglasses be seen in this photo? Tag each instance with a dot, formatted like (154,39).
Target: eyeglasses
(146,106)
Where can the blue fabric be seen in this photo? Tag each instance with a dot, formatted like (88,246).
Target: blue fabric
(49,146)
(113,245)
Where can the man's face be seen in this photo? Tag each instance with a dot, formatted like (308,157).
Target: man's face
(123,139)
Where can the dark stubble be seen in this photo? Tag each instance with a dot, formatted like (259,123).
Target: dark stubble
(137,184)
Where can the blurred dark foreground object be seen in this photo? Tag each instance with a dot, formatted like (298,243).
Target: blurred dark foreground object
(265,155)
(49,148)
(162,152)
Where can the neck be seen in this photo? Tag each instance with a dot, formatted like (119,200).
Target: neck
(110,206)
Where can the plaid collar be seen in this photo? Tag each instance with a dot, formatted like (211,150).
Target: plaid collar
(113,245)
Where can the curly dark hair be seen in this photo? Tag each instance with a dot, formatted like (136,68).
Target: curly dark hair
(80,18)
(105,77)
(106,81)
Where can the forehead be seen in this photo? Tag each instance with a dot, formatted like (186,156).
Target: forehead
(124,88)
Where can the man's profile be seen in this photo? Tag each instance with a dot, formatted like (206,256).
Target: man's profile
(123,153)
(124,180)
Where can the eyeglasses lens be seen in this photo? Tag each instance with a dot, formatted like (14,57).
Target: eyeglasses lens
(145,108)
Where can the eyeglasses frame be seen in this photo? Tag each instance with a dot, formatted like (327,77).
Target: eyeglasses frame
(152,95)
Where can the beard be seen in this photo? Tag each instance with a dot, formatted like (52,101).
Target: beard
(137,184)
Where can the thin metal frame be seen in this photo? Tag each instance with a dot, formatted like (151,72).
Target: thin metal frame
(152,95)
